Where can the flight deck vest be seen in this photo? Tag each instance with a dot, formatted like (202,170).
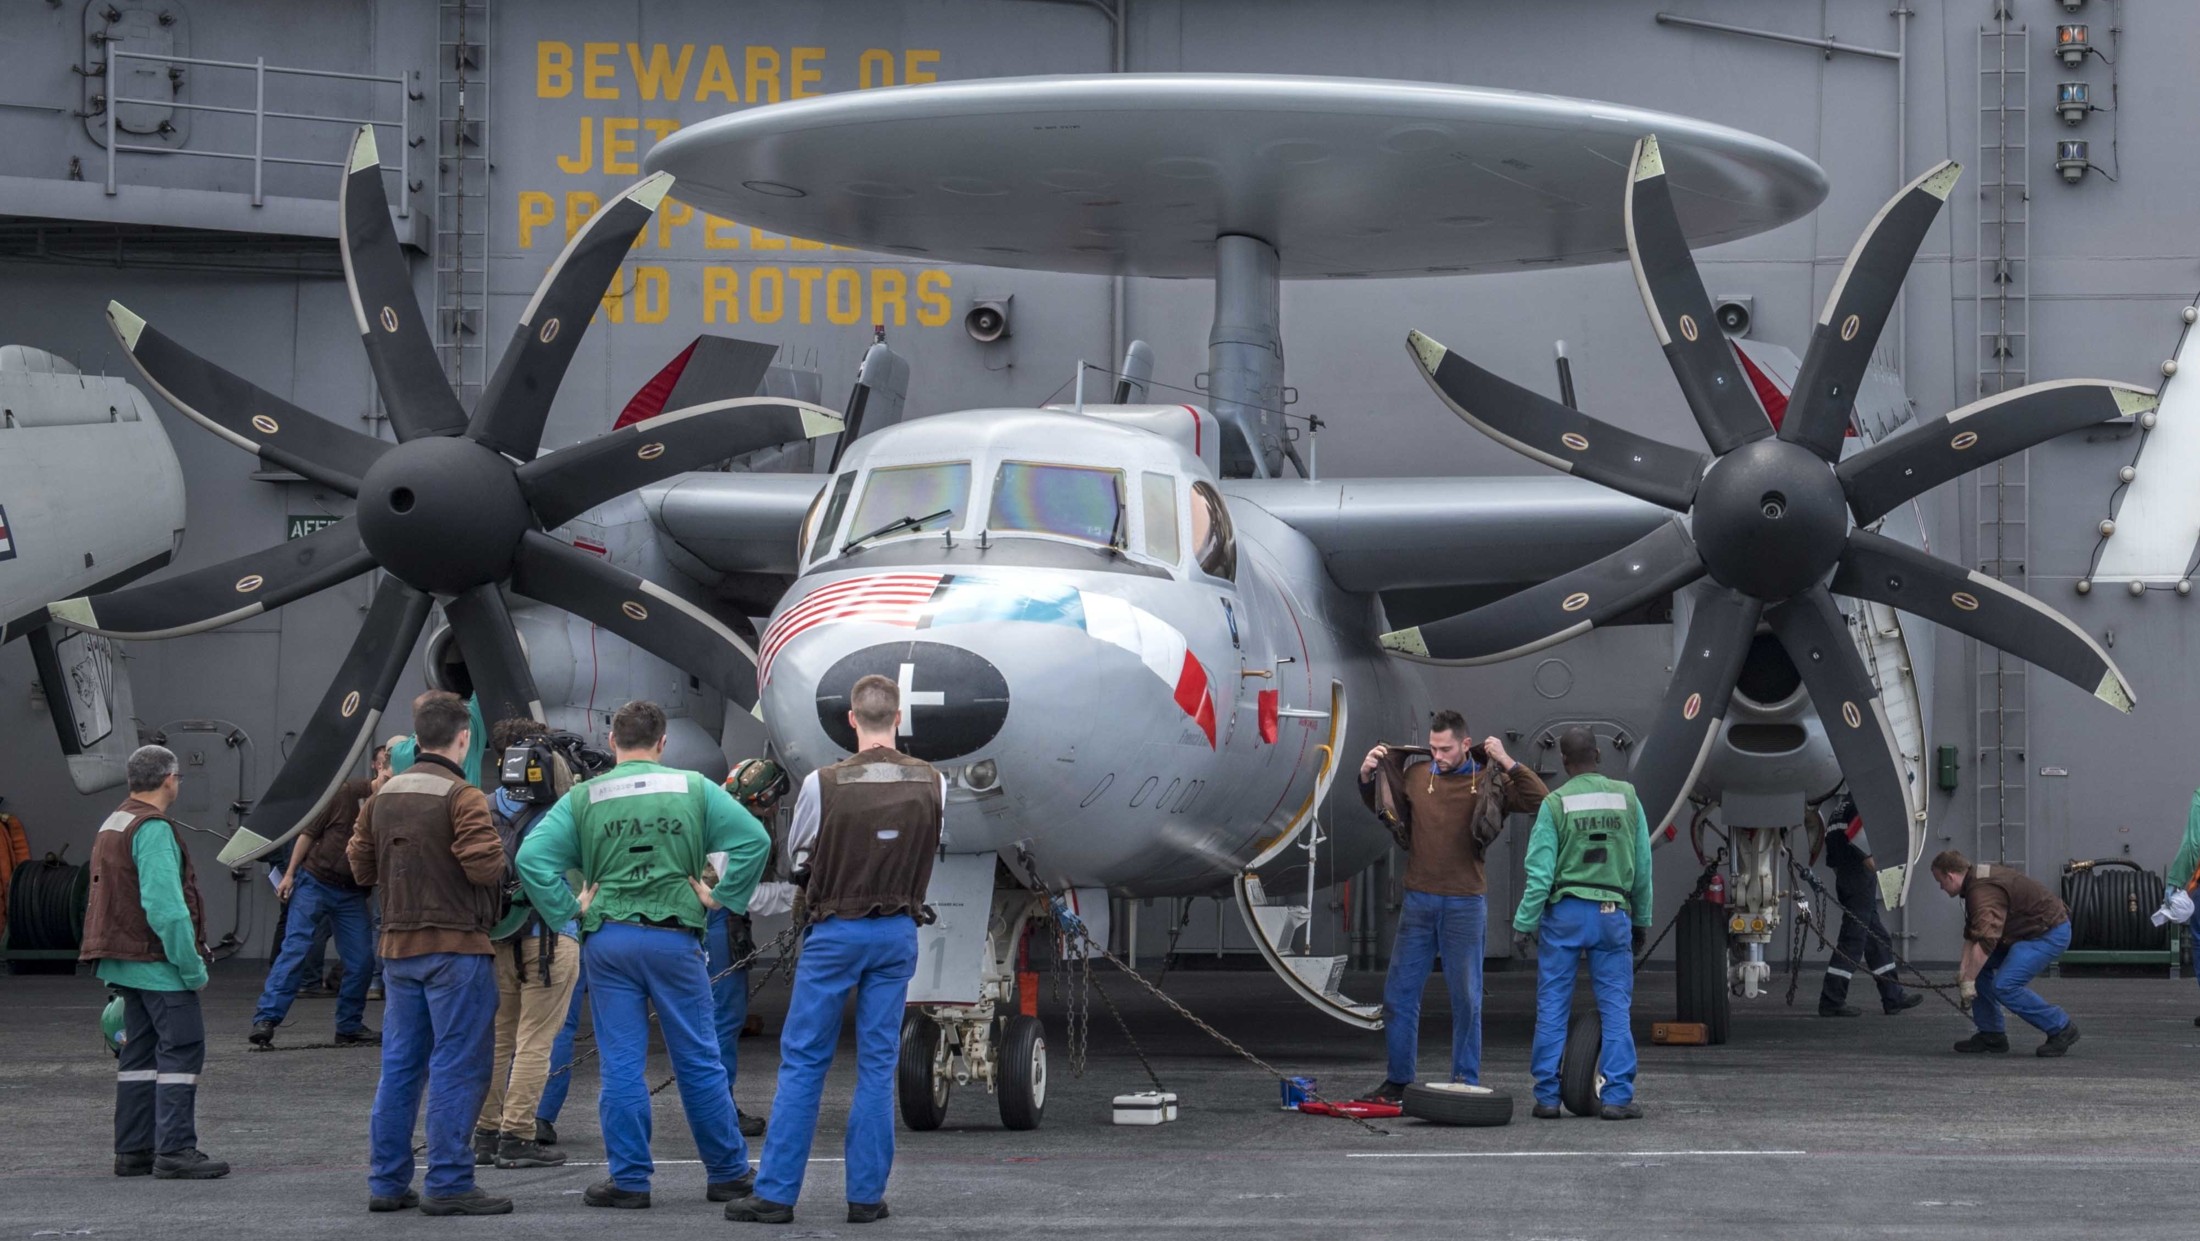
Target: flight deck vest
(1596,818)
(878,831)
(115,925)
(640,827)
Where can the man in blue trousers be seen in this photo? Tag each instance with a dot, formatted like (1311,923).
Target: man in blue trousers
(427,841)
(1588,891)
(2013,929)
(640,835)
(757,784)
(320,886)
(866,830)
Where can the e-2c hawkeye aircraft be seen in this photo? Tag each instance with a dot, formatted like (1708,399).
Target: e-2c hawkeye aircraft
(1139,653)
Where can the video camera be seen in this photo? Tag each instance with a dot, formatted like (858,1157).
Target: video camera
(531,767)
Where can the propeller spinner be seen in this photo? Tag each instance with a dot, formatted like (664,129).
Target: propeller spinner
(1768,517)
(458,508)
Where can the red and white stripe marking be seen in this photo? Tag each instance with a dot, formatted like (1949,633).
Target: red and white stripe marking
(896,599)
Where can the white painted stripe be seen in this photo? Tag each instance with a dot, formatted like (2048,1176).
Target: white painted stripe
(1593,801)
(692,1163)
(637,786)
(177,1079)
(1687,1154)
(136,1075)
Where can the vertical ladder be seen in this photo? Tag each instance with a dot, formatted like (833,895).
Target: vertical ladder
(2003,279)
(462,196)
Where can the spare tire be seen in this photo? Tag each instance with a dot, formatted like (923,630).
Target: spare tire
(1455,1103)
(1580,1086)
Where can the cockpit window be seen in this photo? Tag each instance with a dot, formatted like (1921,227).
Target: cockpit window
(1212,538)
(1160,500)
(911,499)
(1072,501)
(817,534)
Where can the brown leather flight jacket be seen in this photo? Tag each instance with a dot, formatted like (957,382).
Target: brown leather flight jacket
(878,831)
(115,926)
(1445,853)
(411,828)
(330,837)
(2002,905)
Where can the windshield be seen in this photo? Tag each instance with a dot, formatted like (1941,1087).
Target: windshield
(1071,501)
(899,495)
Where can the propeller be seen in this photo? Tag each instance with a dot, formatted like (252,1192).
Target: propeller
(1768,517)
(457,509)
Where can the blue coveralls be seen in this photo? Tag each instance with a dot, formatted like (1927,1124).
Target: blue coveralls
(349,921)
(729,991)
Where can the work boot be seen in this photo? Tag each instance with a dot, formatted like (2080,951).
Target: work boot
(751,1126)
(133,1163)
(1621,1111)
(867,1212)
(263,1034)
(374,992)
(475,1201)
(1388,1092)
(1839,1010)
(2060,1041)
(608,1194)
(1982,1041)
(1547,1111)
(546,1134)
(514,1151)
(726,1191)
(485,1147)
(188,1164)
(361,1037)
(410,1198)
(755,1210)
(1909,1000)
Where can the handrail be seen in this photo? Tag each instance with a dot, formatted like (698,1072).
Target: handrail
(260,115)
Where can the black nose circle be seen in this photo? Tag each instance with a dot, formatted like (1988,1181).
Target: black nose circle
(401,500)
(1773,505)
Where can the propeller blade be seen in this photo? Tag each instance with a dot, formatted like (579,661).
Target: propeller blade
(1688,327)
(1880,569)
(1661,561)
(495,661)
(1696,702)
(406,370)
(252,418)
(1536,426)
(225,593)
(342,729)
(517,398)
(1929,454)
(1841,345)
(570,481)
(638,610)
(1816,638)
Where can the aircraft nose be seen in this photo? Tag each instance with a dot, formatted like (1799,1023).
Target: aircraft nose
(955,702)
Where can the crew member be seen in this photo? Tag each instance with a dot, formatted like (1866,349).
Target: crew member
(537,964)
(728,941)
(639,835)
(1445,804)
(427,838)
(1588,880)
(2013,928)
(868,827)
(404,751)
(1863,936)
(144,925)
(2184,871)
(324,897)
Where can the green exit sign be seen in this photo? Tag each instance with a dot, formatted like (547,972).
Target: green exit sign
(300,527)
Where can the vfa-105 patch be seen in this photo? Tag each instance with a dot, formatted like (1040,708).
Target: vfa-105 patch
(952,700)
(7,536)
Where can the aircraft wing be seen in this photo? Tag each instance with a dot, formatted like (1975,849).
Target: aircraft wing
(1400,536)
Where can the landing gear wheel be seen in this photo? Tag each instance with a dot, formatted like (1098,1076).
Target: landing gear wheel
(1699,968)
(1580,1086)
(923,1080)
(1023,1073)
(1454,1103)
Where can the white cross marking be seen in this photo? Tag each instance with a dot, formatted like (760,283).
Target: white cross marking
(911,699)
